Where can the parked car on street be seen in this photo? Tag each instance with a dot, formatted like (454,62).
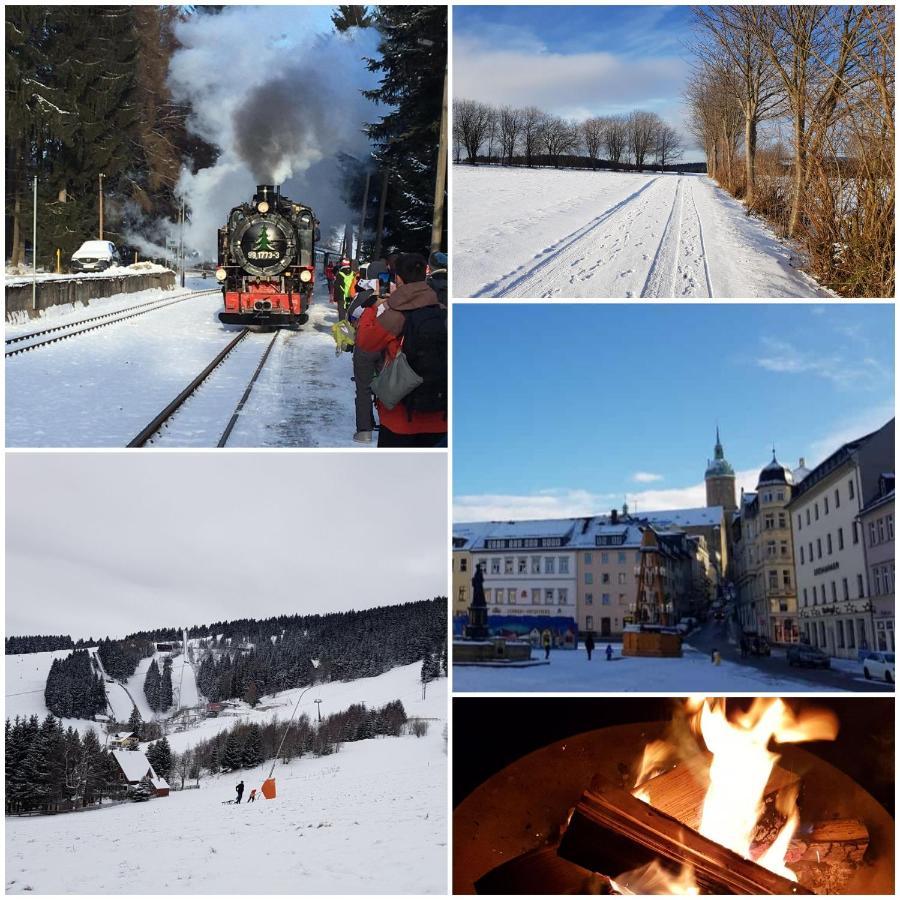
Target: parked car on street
(808,656)
(95,256)
(879,665)
(757,644)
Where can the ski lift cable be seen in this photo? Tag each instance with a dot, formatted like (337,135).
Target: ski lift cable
(287,729)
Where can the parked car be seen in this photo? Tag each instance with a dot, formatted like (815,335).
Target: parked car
(95,256)
(879,665)
(808,656)
(757,644)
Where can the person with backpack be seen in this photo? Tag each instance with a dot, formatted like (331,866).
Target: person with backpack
(365,363)
(412,319)
(437,275)
(344,287)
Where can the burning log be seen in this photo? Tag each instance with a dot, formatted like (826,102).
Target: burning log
(838,840)
(611,831)
(541,871)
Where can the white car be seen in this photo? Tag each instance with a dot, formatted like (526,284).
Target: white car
(879,665)
(95,256)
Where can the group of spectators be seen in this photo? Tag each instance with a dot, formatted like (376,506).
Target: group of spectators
(388,308)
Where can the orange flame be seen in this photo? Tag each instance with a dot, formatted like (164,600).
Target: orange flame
(654,879)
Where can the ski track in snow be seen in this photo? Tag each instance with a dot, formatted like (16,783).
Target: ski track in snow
(655,235)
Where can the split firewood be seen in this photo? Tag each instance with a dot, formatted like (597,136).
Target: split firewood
(541,871)
(612,831)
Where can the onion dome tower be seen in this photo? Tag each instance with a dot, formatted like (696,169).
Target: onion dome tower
(720,481)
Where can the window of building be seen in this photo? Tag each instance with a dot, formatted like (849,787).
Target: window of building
(604,558)
(487,595)
(860,587)
(818,548)
(588,577)
(548,595)
(846,588)
(828,542)
(799,522)
(840,538)
(563,596)
(786,577)
(861,634)
(461,594)
(876,578)
(825,501)
(588,558)
(816,510)
(815,596)
(549,565)
(782,521)
(605,599)
(589,623)
(805,598)
(833,592)
(837,499)
(589,599)
(807,515)
(780,495)
(810,552)
(872,540)
(495,566)
(511,596)
(855,533)
(536,596)
(850,488)
(621,558)
(463,564)
(881,531)
(621,578)
(802,560)
(564,565)
(851,637)
(784,548)
(508,566)
(604,578)
(840,634)
(773,578)
(770,549)
(523,565)
(535,565)
(769,521)
(890,526)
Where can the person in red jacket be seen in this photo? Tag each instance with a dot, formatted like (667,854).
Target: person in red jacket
(386,325)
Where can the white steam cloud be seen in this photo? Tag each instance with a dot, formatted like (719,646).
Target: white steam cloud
(280,94)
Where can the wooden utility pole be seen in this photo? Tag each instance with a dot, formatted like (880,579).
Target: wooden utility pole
(437,225)
(34,252)
(379,228)
(101,206)
(362,216)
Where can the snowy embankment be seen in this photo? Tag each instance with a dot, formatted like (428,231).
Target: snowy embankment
(569,670)
(23,274)
(370,819)
(561,233)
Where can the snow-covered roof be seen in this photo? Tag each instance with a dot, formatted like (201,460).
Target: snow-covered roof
(159,783)
(685,518)
(598,526)
(134,764)
(123,735)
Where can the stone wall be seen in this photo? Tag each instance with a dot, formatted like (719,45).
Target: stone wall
(60,291)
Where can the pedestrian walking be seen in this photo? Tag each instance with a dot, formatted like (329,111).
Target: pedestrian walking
(589,644)
(240,791)
(717,658)
(547,642)
(609,652)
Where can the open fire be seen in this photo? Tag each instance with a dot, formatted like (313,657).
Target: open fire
(716,802)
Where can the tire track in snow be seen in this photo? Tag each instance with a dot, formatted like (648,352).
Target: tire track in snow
(513,282)
(665,261)
(691,275)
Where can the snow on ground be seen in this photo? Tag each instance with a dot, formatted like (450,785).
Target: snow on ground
(304,396)
(23,275)
(370,819)
(401,683)
(99,389)
(569,670)
(561,233)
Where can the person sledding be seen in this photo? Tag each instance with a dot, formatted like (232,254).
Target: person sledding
(240,792)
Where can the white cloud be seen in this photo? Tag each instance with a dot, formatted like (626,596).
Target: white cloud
(848,430)
(844,371)
(645,477)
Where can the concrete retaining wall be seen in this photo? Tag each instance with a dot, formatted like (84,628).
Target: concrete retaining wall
(59,291)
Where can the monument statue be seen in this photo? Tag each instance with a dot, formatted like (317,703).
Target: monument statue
(477,627)
(478,587)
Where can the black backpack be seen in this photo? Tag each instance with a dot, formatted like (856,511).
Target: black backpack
(425,346)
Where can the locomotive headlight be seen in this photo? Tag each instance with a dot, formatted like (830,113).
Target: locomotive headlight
(306,275)
(262,206)
(221,274)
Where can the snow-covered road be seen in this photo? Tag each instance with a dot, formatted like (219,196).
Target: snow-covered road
(101,388)
(546,233)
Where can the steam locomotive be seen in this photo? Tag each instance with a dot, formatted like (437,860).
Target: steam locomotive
(266,261)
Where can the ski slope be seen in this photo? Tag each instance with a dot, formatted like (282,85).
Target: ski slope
(370,819)
(544,233)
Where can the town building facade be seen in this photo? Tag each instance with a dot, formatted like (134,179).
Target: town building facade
(876,520)
(836,607)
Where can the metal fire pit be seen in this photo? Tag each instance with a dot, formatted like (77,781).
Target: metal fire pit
(523,807)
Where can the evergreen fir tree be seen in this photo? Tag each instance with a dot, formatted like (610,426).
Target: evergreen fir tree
(232,758)
(135,722)
(152,686)
(165,687)
(253,754)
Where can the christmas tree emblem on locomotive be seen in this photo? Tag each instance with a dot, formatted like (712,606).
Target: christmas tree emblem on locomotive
(263,249)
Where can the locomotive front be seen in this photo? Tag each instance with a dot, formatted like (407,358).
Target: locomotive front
(266,261)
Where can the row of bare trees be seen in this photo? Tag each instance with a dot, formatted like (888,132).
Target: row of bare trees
(529,136)
(794,106)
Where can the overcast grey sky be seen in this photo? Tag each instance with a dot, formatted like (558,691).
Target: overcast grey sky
(108,543)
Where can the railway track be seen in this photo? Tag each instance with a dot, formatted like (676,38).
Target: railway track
(162,421)
(73,329)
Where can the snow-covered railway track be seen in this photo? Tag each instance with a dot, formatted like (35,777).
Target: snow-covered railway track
(85,326)
(197,415)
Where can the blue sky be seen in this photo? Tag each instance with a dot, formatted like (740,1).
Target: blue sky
(575,61)
(565,409)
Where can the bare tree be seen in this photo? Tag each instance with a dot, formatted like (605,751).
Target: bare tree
(510,129)
(615,138)
(558,137)
(667,144)
(473,120)
(532,126)
(731,35)
(492,130)
(592,137)
(641,127)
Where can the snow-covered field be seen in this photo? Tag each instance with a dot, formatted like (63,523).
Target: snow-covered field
(371,818)
(99,389)
(569,670)
(546,233)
